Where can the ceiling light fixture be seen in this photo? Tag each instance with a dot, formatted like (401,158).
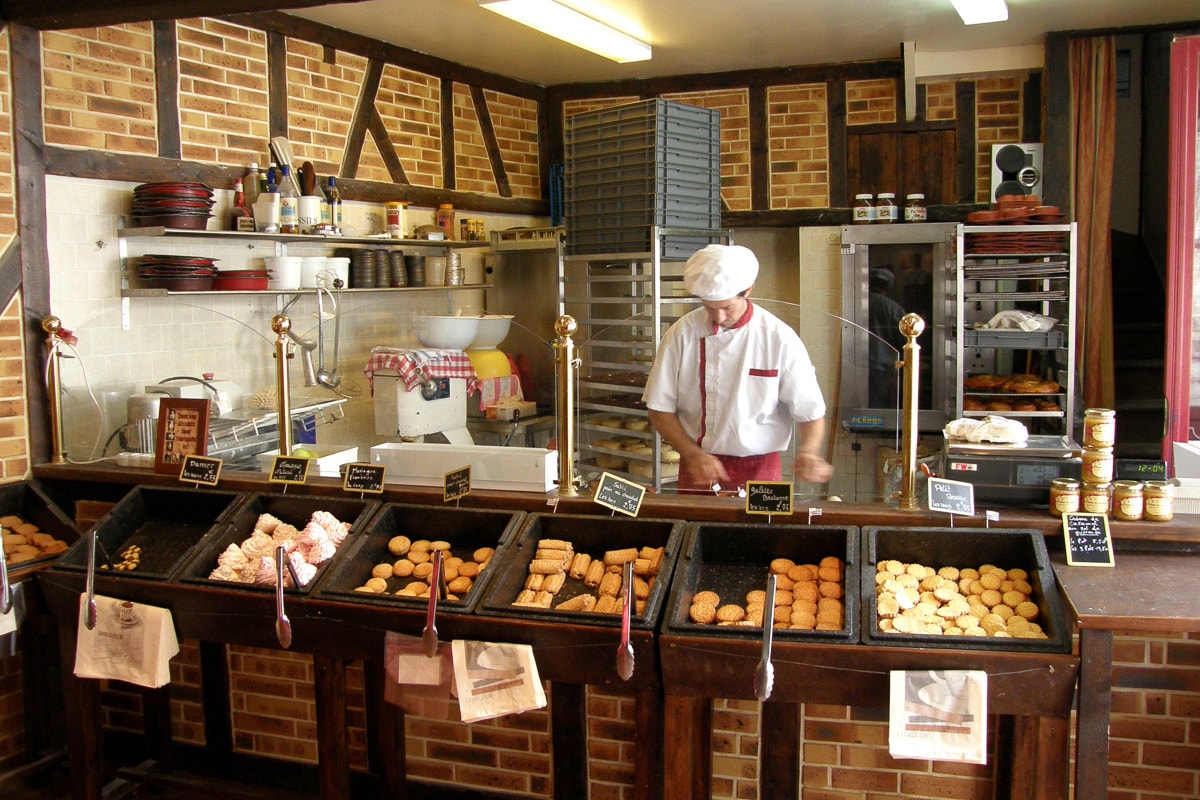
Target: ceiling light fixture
(974,12)
(573,27)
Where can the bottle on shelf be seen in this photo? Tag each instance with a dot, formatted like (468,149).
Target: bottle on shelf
(252,184)
(445,219)
(270,178)
(333,204)
(289,212)
(240,218)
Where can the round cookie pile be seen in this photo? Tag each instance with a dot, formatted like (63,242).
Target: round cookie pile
(988,601)
(808,597)
(556,565)
(23,541)
(411,574)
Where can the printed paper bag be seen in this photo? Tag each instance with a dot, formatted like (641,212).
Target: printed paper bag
(939,715)
(415,682)
(493,679)
(131,642)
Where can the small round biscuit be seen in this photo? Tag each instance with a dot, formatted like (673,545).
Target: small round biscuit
(1017,575)
(830,589)
(949,573)
(376,585)
(784,582)
(1003,611)
(398,545)
(468,569)
(783,597)
(483,554)
(418,556)
(803,621)
(381,571)
(708,597)
(799,573)
(423,570)
(756,596)
(460,585)
(973,574)
(991,598)
(439,545)
(780,566)
(702,613)
(1027,610)
(731,613)
(886,606)
(1013,598)
(829,574)
(755,615)
(421,545)
(990,580)
(402,568)
(806,591)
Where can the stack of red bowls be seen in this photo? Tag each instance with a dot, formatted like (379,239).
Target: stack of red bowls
(172,205)
(176,273)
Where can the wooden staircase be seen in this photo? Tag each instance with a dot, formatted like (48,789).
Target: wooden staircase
(1139,344)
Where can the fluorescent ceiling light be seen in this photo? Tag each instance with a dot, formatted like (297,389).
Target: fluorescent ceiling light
(973,12)
(572,27)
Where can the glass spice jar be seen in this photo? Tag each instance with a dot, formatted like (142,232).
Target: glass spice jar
(863,210)
(1096,498)
(1127,502)
(1099,427)
(1097,464)
(886,211)
(1160,501)
(1064,496)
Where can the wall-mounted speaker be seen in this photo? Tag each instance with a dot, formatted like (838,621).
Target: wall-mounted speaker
(1016,169)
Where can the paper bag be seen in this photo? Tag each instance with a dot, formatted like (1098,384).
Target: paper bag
(11,621)
(939,715)
(131,642)
(415,682)
(493,679)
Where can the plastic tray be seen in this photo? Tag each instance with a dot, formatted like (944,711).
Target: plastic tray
(466,529)
(646,115)
(166,523)
(733,559)
(1008,548)
(1024,340)
(591,535)
(635,240)
(30,502)
(293,509)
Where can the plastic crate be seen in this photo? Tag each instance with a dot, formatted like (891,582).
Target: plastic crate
(1016,339)
(294,509)
(701,191)
(652,113)
(30,502)
(635,240)
(465,529)
(591,535)
(601,214)
(734,559)
(642,176)
(963,548)
(166,523)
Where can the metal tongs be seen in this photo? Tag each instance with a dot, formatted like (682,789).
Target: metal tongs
(429,636)
(283,626)
(89,618)
(6,594)
(764,673)
(625,649)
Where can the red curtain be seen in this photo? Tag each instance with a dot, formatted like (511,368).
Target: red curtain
(1093,131)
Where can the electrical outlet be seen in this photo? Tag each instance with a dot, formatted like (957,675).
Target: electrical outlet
(979,362)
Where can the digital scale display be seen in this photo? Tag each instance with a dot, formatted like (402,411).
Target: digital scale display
(1037,474)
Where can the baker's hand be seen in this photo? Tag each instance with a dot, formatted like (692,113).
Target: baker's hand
(704,468)
(811,468)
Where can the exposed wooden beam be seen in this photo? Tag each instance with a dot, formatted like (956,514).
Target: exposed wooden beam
(387,151)
(62,14)
(448,176)
(835,99)
(964,110)
(166,83)
(363,111)
(760,148)
(490,141)
(10,270)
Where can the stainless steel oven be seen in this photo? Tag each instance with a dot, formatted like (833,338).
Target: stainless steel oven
(888,271)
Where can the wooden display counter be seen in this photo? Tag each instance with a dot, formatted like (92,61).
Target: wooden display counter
(1033,690)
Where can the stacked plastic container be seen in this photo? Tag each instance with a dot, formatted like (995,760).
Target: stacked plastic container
(630,167)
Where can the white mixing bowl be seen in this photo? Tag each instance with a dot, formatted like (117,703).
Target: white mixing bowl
(446,332)
(492,330)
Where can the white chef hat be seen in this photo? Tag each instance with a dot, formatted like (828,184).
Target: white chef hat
(720,271)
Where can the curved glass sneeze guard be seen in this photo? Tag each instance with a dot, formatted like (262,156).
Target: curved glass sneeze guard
(613,434)
(181,337)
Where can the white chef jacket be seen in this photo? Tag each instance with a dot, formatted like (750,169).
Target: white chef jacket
(739,391)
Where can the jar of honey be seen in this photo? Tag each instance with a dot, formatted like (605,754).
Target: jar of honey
(1127,502)
(1064,496)
(1099,427)
(1160,501)
(1096,498)
(1097,464)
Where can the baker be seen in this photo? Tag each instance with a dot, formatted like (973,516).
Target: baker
(731,382)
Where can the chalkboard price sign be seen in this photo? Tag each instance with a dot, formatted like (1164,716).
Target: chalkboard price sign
(200,469)
(768,497)
(1089,543)
(620,495)
(289,469)
(951,497)
(364,478)
(457,484)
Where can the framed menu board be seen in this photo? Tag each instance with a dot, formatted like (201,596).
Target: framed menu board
(182,432)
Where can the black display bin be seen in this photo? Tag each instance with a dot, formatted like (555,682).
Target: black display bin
(294,509)
(166,523)
(1008,548)
(30,502)
(465,529)
(591,535)
(733,558)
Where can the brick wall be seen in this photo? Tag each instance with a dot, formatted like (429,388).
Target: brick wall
(515,121)
(871,102)
(997,121)
(14,432)
(12,715)
(411,106)
(472,167)
(940,103)
(99,88)
(799,126)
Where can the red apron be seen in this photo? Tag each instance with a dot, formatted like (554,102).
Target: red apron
(766,467)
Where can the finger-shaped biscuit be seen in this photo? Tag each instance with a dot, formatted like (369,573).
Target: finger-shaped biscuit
(621,556)
(610,584)
(594,574)
(554,583)
(579,565)
(580,602)
(545,566)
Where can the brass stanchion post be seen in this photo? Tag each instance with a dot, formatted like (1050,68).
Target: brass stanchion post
(281,324)
(565,365)
(52,325)
(911,326)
